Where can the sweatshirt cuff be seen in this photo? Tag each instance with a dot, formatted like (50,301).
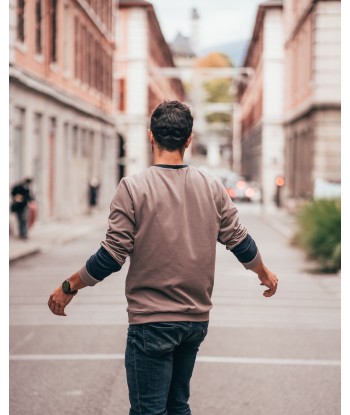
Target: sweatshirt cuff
(253,263)
(87,278)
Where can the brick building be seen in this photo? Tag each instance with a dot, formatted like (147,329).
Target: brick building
(141,52)
(312,94)
(261,102)
(62,124)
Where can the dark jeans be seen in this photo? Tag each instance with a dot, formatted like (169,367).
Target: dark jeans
(159,361)
(22,222)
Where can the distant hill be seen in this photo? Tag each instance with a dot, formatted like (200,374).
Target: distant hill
(234,50)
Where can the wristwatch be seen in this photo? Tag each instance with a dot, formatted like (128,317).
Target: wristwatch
(66,288)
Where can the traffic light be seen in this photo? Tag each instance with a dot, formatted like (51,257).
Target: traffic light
(279,181)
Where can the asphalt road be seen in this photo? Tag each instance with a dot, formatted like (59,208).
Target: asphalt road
(262,356)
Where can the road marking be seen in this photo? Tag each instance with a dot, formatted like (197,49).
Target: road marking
(74,393)
(268,361)
(202,359)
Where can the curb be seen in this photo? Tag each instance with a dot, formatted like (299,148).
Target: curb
(24,254)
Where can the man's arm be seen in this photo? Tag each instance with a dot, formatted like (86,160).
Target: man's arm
(248,254)
(110,257)
(97,268)
(242,245)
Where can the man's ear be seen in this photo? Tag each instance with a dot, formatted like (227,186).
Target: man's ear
(150,135)
(188,142)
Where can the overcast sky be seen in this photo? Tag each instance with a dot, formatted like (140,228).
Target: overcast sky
(221,21)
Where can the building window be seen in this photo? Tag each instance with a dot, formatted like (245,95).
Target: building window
(121,95)
(38,157)
(18,150)
(110,14)
(91,61)
(103,72)
(111,76)
(75,141)
(68,41)
(38,19)
(20,20)
(84,143)
(53,34)
(103,146)
(82,53)
(98,67)
(87,57)
(76,47)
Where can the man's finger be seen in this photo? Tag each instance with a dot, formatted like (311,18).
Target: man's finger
(61,311)
(267,293)
(52,308)
(56,309)
(270,292)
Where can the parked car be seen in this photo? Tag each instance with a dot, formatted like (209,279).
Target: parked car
(325,189)
(243,190)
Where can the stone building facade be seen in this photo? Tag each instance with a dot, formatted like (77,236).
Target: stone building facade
(141,52)
(312,94)
(62,123)
(290,110)
(261,102)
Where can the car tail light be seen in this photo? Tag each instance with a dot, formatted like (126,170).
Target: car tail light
(249,192)
(231,192)
(241,184)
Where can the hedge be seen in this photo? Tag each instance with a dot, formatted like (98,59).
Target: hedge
(319,232)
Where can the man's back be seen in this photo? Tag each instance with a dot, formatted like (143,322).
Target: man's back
(175,215)
(168,220)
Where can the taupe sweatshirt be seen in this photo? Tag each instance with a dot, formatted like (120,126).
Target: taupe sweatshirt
(168,220)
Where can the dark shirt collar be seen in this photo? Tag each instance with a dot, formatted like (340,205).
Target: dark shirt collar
(171,166)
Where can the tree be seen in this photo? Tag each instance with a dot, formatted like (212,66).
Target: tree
(219,89)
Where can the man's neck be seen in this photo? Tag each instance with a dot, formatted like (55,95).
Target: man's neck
(169,158)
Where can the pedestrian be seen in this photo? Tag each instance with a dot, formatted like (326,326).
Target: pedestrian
(94,186)
(21,197)
(168,219)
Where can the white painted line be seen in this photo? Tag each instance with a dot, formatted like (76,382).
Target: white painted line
(202,359)
(268,361)
(67,356)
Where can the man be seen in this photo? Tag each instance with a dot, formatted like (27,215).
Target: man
(21,196)
(168,219)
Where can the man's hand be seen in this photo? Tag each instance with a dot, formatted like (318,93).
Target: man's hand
(270,280)
(267,278)
(58,301)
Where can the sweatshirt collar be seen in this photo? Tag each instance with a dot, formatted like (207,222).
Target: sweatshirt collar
(171,166)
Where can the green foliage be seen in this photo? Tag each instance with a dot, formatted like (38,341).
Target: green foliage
(218,117)
(219,90)
(319,232)
(215,60)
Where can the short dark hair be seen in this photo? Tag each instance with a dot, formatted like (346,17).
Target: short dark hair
(171,125)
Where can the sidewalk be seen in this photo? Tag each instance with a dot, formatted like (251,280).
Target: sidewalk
(43,237)
(282,221)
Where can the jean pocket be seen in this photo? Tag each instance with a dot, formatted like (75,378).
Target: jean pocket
(160,338)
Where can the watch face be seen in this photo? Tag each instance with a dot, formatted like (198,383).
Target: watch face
(65,286)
